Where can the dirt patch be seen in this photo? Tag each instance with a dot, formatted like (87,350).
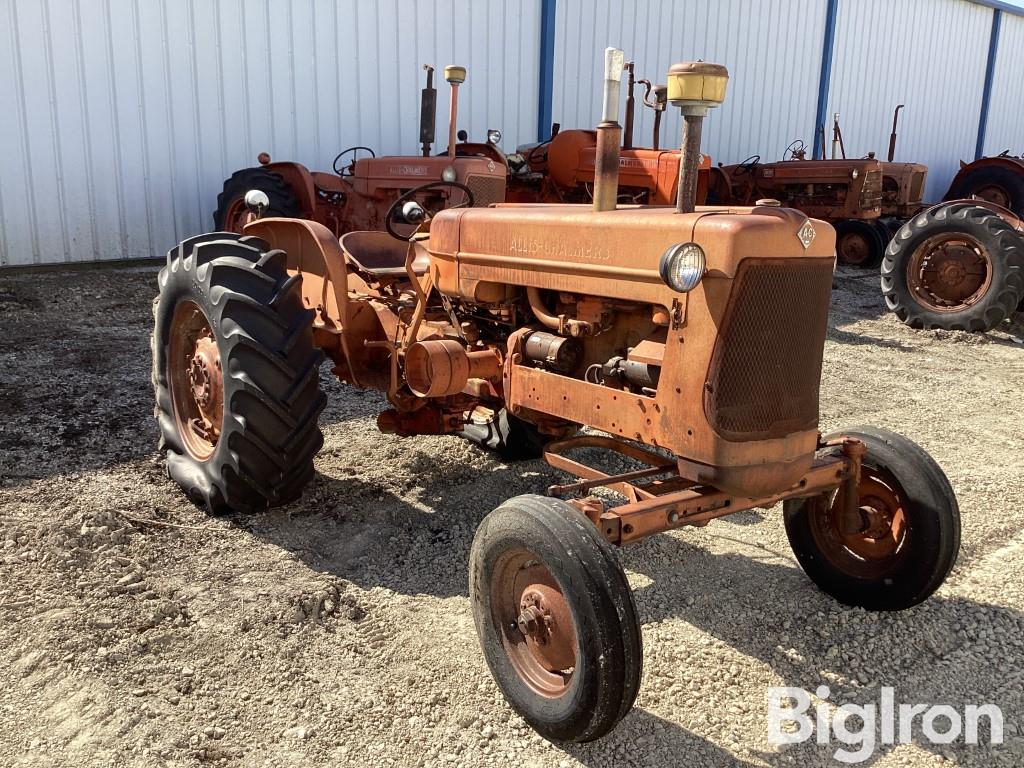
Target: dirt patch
(337,631)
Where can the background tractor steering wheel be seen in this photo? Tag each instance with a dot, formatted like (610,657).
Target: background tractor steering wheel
(748,165)
(395,210)
(796,150)
(341,171)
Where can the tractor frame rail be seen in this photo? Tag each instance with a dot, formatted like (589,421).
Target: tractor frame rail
(669,501)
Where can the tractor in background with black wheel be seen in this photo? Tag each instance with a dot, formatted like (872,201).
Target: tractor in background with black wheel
(362,186)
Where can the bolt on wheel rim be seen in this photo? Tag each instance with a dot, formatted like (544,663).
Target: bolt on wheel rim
(950,272)
(878,546)
(535,623)
(196,380)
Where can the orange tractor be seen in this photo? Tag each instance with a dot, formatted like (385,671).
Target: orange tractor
(563,169)
(688,339)
(362,189)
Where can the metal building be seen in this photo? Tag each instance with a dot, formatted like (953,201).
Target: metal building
(124,116)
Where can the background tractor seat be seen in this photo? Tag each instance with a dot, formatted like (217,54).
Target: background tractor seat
(380,255)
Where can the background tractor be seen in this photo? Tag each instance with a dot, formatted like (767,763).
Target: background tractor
(689,341)
(361,189)
(563,169)
(998,180)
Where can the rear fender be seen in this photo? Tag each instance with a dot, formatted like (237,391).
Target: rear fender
(1012,164)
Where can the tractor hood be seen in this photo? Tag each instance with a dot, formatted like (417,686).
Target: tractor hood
(612,253)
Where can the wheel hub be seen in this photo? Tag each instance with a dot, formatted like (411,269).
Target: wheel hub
(196,380)
(994,194)
(543,617)
(949,273)
(854,248)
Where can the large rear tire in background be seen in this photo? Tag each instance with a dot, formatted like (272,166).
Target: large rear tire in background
(954,267)
(236,375)
(910,533)
(231,211)
(993,183)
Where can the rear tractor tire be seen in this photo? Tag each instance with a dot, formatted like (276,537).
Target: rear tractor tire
(555,618)
(995,184)
(231,212)
(236,375)
(955,267)
(910,532)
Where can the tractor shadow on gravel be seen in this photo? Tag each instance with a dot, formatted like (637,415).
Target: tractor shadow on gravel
(760,604)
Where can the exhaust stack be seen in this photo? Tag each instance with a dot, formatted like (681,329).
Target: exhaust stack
(694,87)
(627,131)
(609,134)
(455,76)
(892,136)
(428,111)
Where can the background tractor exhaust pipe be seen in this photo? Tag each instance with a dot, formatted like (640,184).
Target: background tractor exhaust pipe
(627,131)
(694,87)
(609,134)
(892,136)
(455,76)
(428,111)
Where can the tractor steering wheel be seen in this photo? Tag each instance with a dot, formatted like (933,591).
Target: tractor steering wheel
(748,165)
(353,150)
(394,212)
(796,150)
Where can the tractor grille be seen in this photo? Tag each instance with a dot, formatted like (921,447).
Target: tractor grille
(486,189)
(871,192)
(916,187)
(766,368)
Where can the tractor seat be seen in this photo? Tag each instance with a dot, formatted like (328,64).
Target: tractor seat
(381,255)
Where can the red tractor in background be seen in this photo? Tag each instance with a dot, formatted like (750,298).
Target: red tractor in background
(998,179)
(360,192)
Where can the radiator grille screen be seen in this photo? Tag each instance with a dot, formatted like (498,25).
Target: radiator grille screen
(486,189)
(766,368)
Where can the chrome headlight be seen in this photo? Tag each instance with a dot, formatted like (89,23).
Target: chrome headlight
(448,174)
(682,266)
(493,136)
(854,173)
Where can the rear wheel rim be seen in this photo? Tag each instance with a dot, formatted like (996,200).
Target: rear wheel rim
(236,216)
(880,545)
(196,380)
(535,623)
(994,193)
(949,272)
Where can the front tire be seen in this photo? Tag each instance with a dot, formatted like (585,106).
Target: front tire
(911,533)
(236,375)
(555,618)
(859,243)
(956,267)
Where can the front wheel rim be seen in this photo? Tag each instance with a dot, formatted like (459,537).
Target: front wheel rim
(950,272)
(881,543)
(535,623)
(196,380)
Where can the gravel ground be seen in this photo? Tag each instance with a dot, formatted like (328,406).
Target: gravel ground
(337,631)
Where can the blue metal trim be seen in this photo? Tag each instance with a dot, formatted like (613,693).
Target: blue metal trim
(990,71)
(547,69)
(826,74)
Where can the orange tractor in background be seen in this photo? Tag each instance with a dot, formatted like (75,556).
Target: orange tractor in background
(688,340)
(360,191)
(563,169)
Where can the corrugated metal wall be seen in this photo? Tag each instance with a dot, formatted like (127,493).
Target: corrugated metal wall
(122,117)
(927,54)
(1006,113)
(772,49)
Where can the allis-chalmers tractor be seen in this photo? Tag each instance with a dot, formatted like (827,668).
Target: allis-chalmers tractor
(361,190)
(688,339)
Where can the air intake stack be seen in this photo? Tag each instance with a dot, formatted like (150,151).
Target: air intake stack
(609,134)
(694,87)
